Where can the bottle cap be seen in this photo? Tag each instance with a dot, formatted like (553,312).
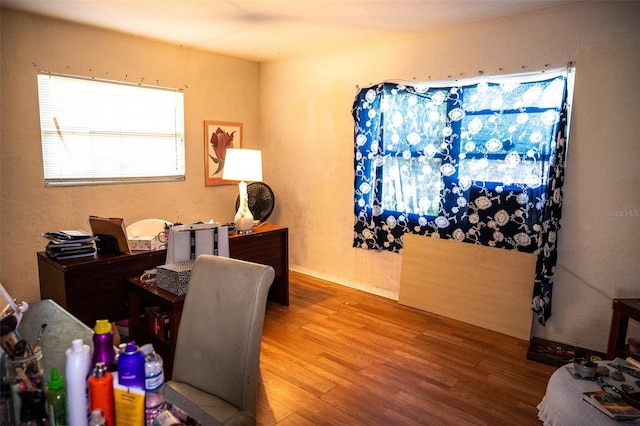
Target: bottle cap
(77,345)
(100,370)
(56,381)
(96,417)
(102,326)
(147,348)
(131,347)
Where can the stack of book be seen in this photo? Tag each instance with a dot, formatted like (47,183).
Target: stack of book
(69,244)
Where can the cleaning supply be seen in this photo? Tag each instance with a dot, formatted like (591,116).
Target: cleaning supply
(154,381)
(101,393)
(77,368)
(131,366)
(56,399)
(103,350)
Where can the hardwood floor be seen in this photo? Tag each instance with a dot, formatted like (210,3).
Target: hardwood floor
(341,356)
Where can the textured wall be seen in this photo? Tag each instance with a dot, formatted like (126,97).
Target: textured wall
(216,88)
(305,115)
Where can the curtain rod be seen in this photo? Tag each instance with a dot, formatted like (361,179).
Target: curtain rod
(481,73)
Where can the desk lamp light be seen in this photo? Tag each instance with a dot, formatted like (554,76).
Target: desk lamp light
(243,165)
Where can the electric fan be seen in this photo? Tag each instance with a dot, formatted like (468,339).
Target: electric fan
(261,201)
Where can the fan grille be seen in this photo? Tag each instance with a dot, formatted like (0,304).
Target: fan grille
(261,200)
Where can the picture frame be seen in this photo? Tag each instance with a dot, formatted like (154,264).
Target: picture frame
(218,136)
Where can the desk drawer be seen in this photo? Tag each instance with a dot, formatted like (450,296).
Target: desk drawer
(260,248)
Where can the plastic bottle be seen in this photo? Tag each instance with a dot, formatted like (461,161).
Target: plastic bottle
(96,418)
(56,399)
(77,371)
(131,366)
(101,393)
(154,402)
(166,419)
(32,408)
(103,350)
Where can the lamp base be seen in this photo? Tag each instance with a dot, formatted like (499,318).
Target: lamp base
(244,219)
(243,225)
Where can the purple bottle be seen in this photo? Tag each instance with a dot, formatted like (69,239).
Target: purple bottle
(131,366)
(103,350)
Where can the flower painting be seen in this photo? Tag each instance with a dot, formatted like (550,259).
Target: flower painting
(218,137)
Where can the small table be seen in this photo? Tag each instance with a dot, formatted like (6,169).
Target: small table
(623,309)
(562,404)
(62,329)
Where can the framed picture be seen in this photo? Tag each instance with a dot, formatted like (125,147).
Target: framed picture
(218,136)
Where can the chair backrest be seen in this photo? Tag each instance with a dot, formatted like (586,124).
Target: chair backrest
(218,343)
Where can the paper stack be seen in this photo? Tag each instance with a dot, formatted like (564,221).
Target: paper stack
(70,244)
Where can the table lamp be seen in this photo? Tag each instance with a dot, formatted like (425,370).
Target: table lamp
(243,165)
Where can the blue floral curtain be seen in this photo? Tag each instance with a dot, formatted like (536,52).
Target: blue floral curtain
(479,161)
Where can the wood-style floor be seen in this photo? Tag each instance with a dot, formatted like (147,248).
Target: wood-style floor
(344,357)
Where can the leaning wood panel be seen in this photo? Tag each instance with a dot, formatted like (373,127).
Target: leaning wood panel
(479,285)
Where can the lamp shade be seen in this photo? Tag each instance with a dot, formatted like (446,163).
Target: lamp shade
(242,164)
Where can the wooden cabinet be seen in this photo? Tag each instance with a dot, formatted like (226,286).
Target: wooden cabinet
(92,288)
(269,245)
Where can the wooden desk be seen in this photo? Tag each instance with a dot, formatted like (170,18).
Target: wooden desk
(269,245)
(266,245)
(93,288)
(623,309)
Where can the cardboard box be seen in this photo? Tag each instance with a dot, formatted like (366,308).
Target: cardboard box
(161,328)
(144,243)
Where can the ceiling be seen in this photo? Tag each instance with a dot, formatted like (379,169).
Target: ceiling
(262,30)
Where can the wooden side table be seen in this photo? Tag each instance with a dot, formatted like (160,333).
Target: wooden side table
(623,309)
(146,303)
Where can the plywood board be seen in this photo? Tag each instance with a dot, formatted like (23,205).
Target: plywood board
(479,285)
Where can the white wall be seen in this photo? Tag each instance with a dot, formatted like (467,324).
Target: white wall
(307,135)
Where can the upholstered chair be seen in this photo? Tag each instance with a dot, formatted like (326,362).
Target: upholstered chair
(216,363)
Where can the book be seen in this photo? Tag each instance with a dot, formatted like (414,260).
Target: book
(68,235)
(70,253)
(612,405)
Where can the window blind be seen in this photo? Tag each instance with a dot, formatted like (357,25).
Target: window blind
(98,131)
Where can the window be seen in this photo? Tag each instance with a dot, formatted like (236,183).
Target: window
(427,156)
(493,133)
(479,161)
(96,131)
